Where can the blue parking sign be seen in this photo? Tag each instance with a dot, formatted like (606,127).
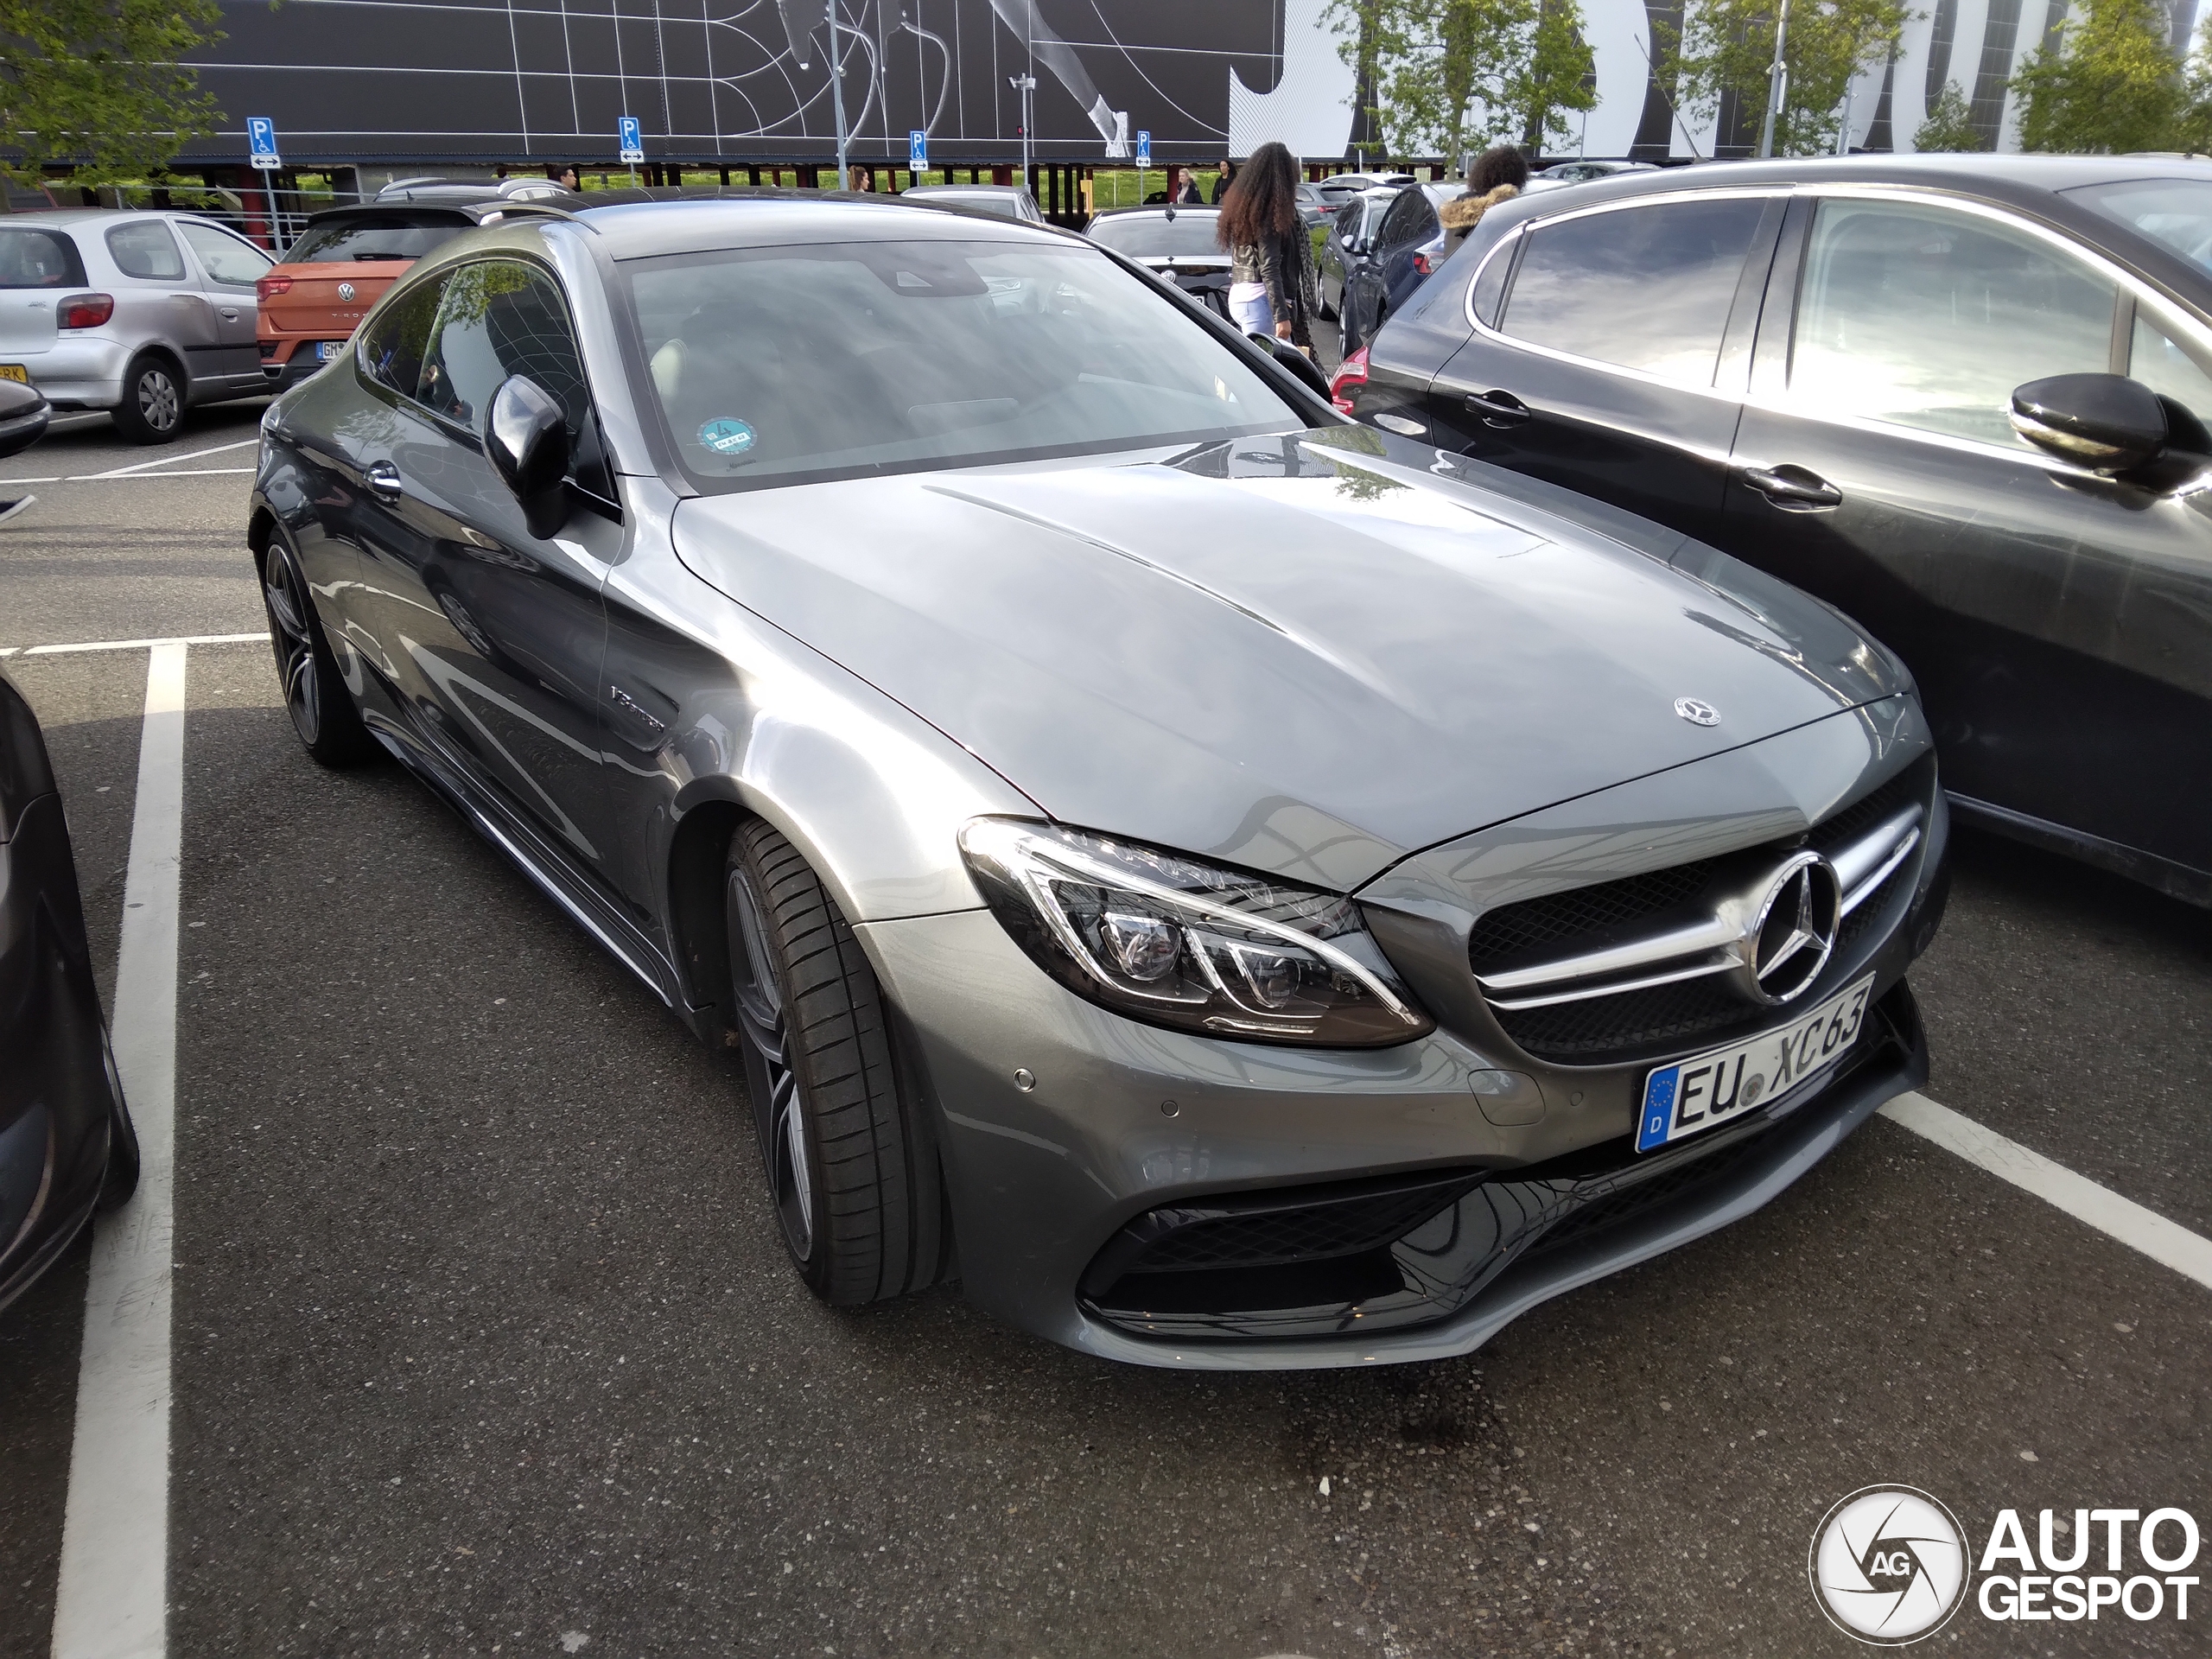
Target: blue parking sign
(261,140)
(918,150)
(1144,147)
(633,138)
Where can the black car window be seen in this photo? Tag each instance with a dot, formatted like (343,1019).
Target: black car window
(32,258)
(1411,219)
(397,338)
(1490,285)
(2160,361)
(392,233)
(146,251)
(1646,288)
(1928,318)
(499,317)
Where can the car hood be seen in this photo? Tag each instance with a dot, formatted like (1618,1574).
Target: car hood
(1308,654)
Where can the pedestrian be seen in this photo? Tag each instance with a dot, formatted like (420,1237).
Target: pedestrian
(564,175)
(1272,281)
(1192,196)
(1223,177)
(1498,175)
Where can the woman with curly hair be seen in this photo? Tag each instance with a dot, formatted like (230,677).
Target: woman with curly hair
(1272,280)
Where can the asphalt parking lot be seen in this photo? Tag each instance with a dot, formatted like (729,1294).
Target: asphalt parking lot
(483,1342)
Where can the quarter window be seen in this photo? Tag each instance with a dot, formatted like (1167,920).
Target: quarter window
(397,338)
(1929,318)
(2159,360)
(1645,288)
(499,317)
(146,251)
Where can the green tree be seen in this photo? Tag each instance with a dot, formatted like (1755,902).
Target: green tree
(2109,85)
(101,83)
(1727,46)
(1949,125)
(1453,75)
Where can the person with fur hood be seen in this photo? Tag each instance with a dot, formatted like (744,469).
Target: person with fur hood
(1498,175)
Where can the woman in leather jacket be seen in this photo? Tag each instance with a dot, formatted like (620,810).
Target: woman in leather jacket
(1272,284)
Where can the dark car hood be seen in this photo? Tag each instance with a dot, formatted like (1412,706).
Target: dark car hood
(1285,653)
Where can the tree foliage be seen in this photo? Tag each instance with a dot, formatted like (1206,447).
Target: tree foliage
(1949,125)
(1454,75)
(2109,85)
(101,83)
(1727,46)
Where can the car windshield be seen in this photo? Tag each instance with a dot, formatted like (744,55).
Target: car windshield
(386,236)
(2177,211)
(1154,236)
(777,364)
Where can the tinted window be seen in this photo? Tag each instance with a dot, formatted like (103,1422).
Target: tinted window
(1190,232)
(2159,361)
(2177,211)
(1490,285)
(1647,288)
(39,259)
(772,364)
(498,318)
(1930,318)
(393,235)
(146,250)
(1411,219)
(1348,217)
(395,339)
(224,259)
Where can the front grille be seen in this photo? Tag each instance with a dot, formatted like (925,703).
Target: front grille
(1312,1234)
(1538,927)
(1604,1027)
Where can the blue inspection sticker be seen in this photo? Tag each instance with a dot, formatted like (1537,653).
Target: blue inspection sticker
(727,435)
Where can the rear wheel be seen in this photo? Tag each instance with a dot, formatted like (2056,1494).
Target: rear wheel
(850,1156)
(152,409)
(315,697)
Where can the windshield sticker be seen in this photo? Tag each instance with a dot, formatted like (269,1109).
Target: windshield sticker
(727,435)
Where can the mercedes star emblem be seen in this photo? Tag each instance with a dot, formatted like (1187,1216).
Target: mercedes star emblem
(1787,937)
(346,293)
(1697,713)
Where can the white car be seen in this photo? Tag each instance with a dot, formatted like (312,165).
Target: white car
(1582,172)
(139,314)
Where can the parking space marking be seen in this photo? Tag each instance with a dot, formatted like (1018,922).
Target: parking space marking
(112,1598)
(137,645)
(167,460)
(2165,1242)
(131,478)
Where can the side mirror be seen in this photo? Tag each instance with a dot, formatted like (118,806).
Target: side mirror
(2106,422)
(1293,359)
(526,435)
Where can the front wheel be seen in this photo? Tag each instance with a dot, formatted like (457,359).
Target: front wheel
(322,711)
(152,409)
(850,1156)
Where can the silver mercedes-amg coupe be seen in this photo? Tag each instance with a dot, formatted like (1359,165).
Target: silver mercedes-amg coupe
(1237,889)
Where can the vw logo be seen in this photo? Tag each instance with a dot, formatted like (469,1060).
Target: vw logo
(346,293)
(1696,712)
(1791,931)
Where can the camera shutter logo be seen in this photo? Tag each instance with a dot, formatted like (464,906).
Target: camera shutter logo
(1889,1565)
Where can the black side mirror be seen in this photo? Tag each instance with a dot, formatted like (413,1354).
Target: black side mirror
(1292,359)
(526,435)
(2106,422)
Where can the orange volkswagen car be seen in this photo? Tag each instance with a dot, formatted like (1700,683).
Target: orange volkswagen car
(340,266)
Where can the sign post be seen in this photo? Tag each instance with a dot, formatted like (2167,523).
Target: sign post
(261,145)
(1144,159)
(632,139)
(918,153)
(837,95)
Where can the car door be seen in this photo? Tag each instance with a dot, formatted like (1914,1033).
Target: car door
(160,302)
(491,638)
(2059,624)
(1343,229)
(229,267)
(1607,352)
(1390,243)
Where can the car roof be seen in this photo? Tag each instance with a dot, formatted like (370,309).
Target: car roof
(1157,209)
(62,218)
(964,190)
(763,219)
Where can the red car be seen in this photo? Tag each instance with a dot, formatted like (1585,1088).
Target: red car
(314,298)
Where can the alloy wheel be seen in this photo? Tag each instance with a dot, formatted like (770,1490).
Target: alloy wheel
(778,1114)
(295,646)
(157,399)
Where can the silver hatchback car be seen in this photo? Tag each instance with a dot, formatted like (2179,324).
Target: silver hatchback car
(139,314)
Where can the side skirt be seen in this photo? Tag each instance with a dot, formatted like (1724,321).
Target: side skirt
(2176,880)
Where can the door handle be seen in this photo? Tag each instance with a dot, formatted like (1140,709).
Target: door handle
(1497,408)
(231,315)
(1793,489)
(383,479)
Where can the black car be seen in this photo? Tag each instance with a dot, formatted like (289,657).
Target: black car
(1180,244)
(1403,246)
(1350,234)
(66,1140)
(1963,398)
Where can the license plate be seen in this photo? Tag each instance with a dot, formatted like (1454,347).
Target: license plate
(327,349)
(1693,1095)
(14,371)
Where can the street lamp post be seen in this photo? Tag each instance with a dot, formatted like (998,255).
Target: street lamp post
(1777,83)
(837,96)
(1024,85)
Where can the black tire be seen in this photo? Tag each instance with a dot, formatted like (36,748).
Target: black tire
(315,693)
(848,1148)
(152,409)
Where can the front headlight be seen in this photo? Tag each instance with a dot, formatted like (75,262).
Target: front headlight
(1173,942)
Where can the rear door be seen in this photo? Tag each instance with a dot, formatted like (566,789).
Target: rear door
(1613,360)
(2060,625)
(229,267)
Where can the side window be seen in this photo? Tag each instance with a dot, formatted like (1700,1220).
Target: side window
(1928,318)
(500,317)
(1410,219)
(2156,359)
(1348,218)
(226,259)
(397,338)
(1489,283)
(146,251)
(1644,287)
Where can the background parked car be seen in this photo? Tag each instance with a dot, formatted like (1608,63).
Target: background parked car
(140,314)
(66,1140)
(1405,245)
(1583,172)
(1007,200)
(1896,381)
(1178,244)
(1350,236)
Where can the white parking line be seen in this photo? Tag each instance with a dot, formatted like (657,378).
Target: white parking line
(2165,1242)
(112,1599)
(131,478)
(167,460)
(137,645)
